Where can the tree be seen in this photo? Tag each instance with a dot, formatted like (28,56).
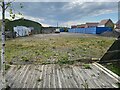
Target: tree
(5,5)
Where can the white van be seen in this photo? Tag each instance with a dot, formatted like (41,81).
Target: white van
(57,31)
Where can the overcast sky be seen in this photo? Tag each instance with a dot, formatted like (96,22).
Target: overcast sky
(67,13)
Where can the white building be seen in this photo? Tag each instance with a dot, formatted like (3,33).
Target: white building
(22,30)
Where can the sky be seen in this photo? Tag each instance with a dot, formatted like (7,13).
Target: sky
(66,13)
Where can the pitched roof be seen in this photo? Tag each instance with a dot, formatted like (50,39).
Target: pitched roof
(103,22)
(118,22)
(92,23)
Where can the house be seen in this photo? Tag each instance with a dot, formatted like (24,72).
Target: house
(106,23)
(81,26)
(117,25)
(74,26)
(91,24)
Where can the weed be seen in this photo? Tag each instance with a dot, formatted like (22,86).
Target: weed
(35,47)
(7,66)
(25,59)
(118,85)
(38,70)
(39,79)
(19,67)
(85,84)
(87,66)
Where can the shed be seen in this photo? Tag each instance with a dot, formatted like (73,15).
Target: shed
(22,31)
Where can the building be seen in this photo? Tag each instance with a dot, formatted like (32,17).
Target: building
(74,26)
(117,25)
(22,31)
(91,24)
(81,26)
(26,23)
(106,23)
(47,30)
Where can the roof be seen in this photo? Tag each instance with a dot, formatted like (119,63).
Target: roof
(92,23)
(82,25)
(118,22)
(103,22)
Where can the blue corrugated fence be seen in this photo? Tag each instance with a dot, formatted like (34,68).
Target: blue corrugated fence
(92,30)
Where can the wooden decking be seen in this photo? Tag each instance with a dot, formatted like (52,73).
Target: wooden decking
(55,76)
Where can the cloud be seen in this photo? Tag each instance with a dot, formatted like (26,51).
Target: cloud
(64,12)
(64,0)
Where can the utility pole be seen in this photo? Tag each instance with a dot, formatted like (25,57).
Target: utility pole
(57,24)
(3,45)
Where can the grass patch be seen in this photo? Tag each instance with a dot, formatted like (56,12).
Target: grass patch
(60,49)
(86,66)
(118,85)
(114,67)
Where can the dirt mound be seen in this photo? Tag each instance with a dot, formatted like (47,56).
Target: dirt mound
(111,34)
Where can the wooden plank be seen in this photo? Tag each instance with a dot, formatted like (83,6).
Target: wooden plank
(86,78)
(110,82)
(56,77)
(40,76)
(77,77)
(71,76)
(91,78)
(79,70)
(38,72)
(14,77)
(61,80)
(98,80)
(17,84)
(66,77)
(44,77)
(52,78)
(10,74)
(23,80)
(104,82)
(47,77)
(30,82)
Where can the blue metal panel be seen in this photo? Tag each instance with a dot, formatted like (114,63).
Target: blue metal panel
(61,30)
(92,30)
(100,30)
